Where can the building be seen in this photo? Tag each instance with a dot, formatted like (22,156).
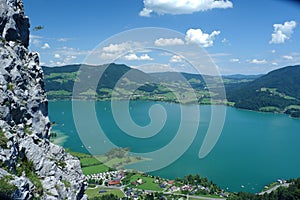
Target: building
(114,182)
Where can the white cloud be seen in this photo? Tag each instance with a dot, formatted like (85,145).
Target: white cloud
(46,46)
(273,51)
(63,39)
(133,56)
(168,42)
(35,37)
(69,58)
(234,60)
(274,63)
(145,12)
(282,32)
(35,42)
(57,55)
(176,7)
(176,59)
(288,57)
(113,48)
(108,56)
(198,37)
(114,51)
(225,41)
(69,51)
(256,61)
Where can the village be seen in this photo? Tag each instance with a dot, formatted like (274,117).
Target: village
(136,185)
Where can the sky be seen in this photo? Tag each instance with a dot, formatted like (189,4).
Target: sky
(239,36)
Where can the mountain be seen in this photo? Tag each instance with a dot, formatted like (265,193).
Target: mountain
(31,167)
(125,82)
(59,81)
(277,91)
(109,74)
(242,76)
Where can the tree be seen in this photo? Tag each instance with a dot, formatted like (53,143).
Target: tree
(38,28)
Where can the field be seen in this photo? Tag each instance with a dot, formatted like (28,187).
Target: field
(90,164)
(148,183)
(95,169)
(114,159)
(94,192)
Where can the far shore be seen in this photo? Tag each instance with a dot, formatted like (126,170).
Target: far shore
(229,104)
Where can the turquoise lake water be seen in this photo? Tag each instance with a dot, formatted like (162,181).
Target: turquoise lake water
(253,150)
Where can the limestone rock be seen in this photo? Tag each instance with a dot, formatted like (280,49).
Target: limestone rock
(25,148)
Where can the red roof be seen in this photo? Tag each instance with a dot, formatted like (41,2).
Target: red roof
(114,182)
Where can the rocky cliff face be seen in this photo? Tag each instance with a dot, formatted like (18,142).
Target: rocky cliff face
(31,164)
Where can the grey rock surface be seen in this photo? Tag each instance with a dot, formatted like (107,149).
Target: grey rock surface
(24,122)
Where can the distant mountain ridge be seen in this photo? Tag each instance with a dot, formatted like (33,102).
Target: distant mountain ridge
(277,91)
(59,82)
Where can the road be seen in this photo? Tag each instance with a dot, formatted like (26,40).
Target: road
(184,195)
(275,188)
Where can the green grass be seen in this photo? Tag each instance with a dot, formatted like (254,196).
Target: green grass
(78,154)
(6,188)
(269,109)
(28,168)
(10,86)
(275,92)
(293,107)
(94,192)
(58,93)
(85,162)
(89,92)
(98,164)
(205,101)
(89,164)
(3,139)
(148,183)
(66,183)
(117,163)
(62,76)
(95,169)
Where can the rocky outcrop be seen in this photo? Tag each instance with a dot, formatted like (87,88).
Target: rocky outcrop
(13,23)
(35,166)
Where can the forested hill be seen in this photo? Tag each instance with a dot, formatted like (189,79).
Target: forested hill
(59,82)
(277,91)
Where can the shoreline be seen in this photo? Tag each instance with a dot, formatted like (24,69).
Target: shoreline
(229,104)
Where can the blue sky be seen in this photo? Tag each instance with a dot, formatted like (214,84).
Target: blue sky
(248,37)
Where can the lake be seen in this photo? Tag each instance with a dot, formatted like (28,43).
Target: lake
(253,150)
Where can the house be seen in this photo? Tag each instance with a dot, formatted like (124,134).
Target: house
(114,182)
(134,183)
(140,181)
